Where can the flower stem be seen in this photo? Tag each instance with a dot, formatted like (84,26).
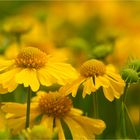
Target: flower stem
(95,105)
(126,113)
(123,110)
(123,121)
(125,93)
(18,39)
(132,125)
(28,108)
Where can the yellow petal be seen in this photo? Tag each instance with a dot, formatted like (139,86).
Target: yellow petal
(3,90)
(117,85)
(47,122)
(108,92)
(76,111)
(76,130)
(88,86)
(91,126)
(45,78)
(4,64)
(101,81)
(16,124)
(14,108)
(71,87)
(7,79)
(28,77)
(6,76)
(62,72)
(61,135)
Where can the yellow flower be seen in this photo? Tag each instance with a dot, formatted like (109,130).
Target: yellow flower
(53,110)
(2,121)
(17,25)
(33,68)
(95,74)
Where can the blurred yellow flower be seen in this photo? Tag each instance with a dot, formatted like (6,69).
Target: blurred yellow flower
(2,121)
(53,108)
(32,67)
(95,74)
(17,25)
(127,47)
(12,51)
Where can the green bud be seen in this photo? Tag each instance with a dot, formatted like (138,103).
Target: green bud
(4,135)
(77,45)
(130,75)
(41,16)
(40,132)
(101,51)
(135,64)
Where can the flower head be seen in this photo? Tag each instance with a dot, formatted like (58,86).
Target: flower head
(33,67)
(53,108)
(95,74)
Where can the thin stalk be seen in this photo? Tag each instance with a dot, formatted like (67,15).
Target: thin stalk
(28,108)
(95,105)
(125,93)
(123,110)
(132,125)
(123,121)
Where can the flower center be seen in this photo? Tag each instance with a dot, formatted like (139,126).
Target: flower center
(54,105)
(92,68)
(31,57)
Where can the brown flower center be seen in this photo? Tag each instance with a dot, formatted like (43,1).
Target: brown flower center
(92,68)
(31,57)
(54,105)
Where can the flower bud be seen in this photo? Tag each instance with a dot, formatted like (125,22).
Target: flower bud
(135,64)
(77,45)
(101,51)
(129,75)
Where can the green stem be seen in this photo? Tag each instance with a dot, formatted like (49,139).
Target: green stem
(95,105)
(132,125)
(125,93)
(28,108)
(123,121)
(18,39)
(123,110)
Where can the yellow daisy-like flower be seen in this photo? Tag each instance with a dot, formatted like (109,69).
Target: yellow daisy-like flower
(95,74)
(33,68)
(52,110)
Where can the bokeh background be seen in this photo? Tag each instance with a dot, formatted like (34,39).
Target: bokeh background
(80,30)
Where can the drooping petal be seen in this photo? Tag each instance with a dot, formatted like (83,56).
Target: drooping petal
(91,126)
(7,79)
(108,93)
(47,122)
(88,86)
(61,135)
(73,86)
(117,85)
(76,130)
(101,81)
(3,90)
